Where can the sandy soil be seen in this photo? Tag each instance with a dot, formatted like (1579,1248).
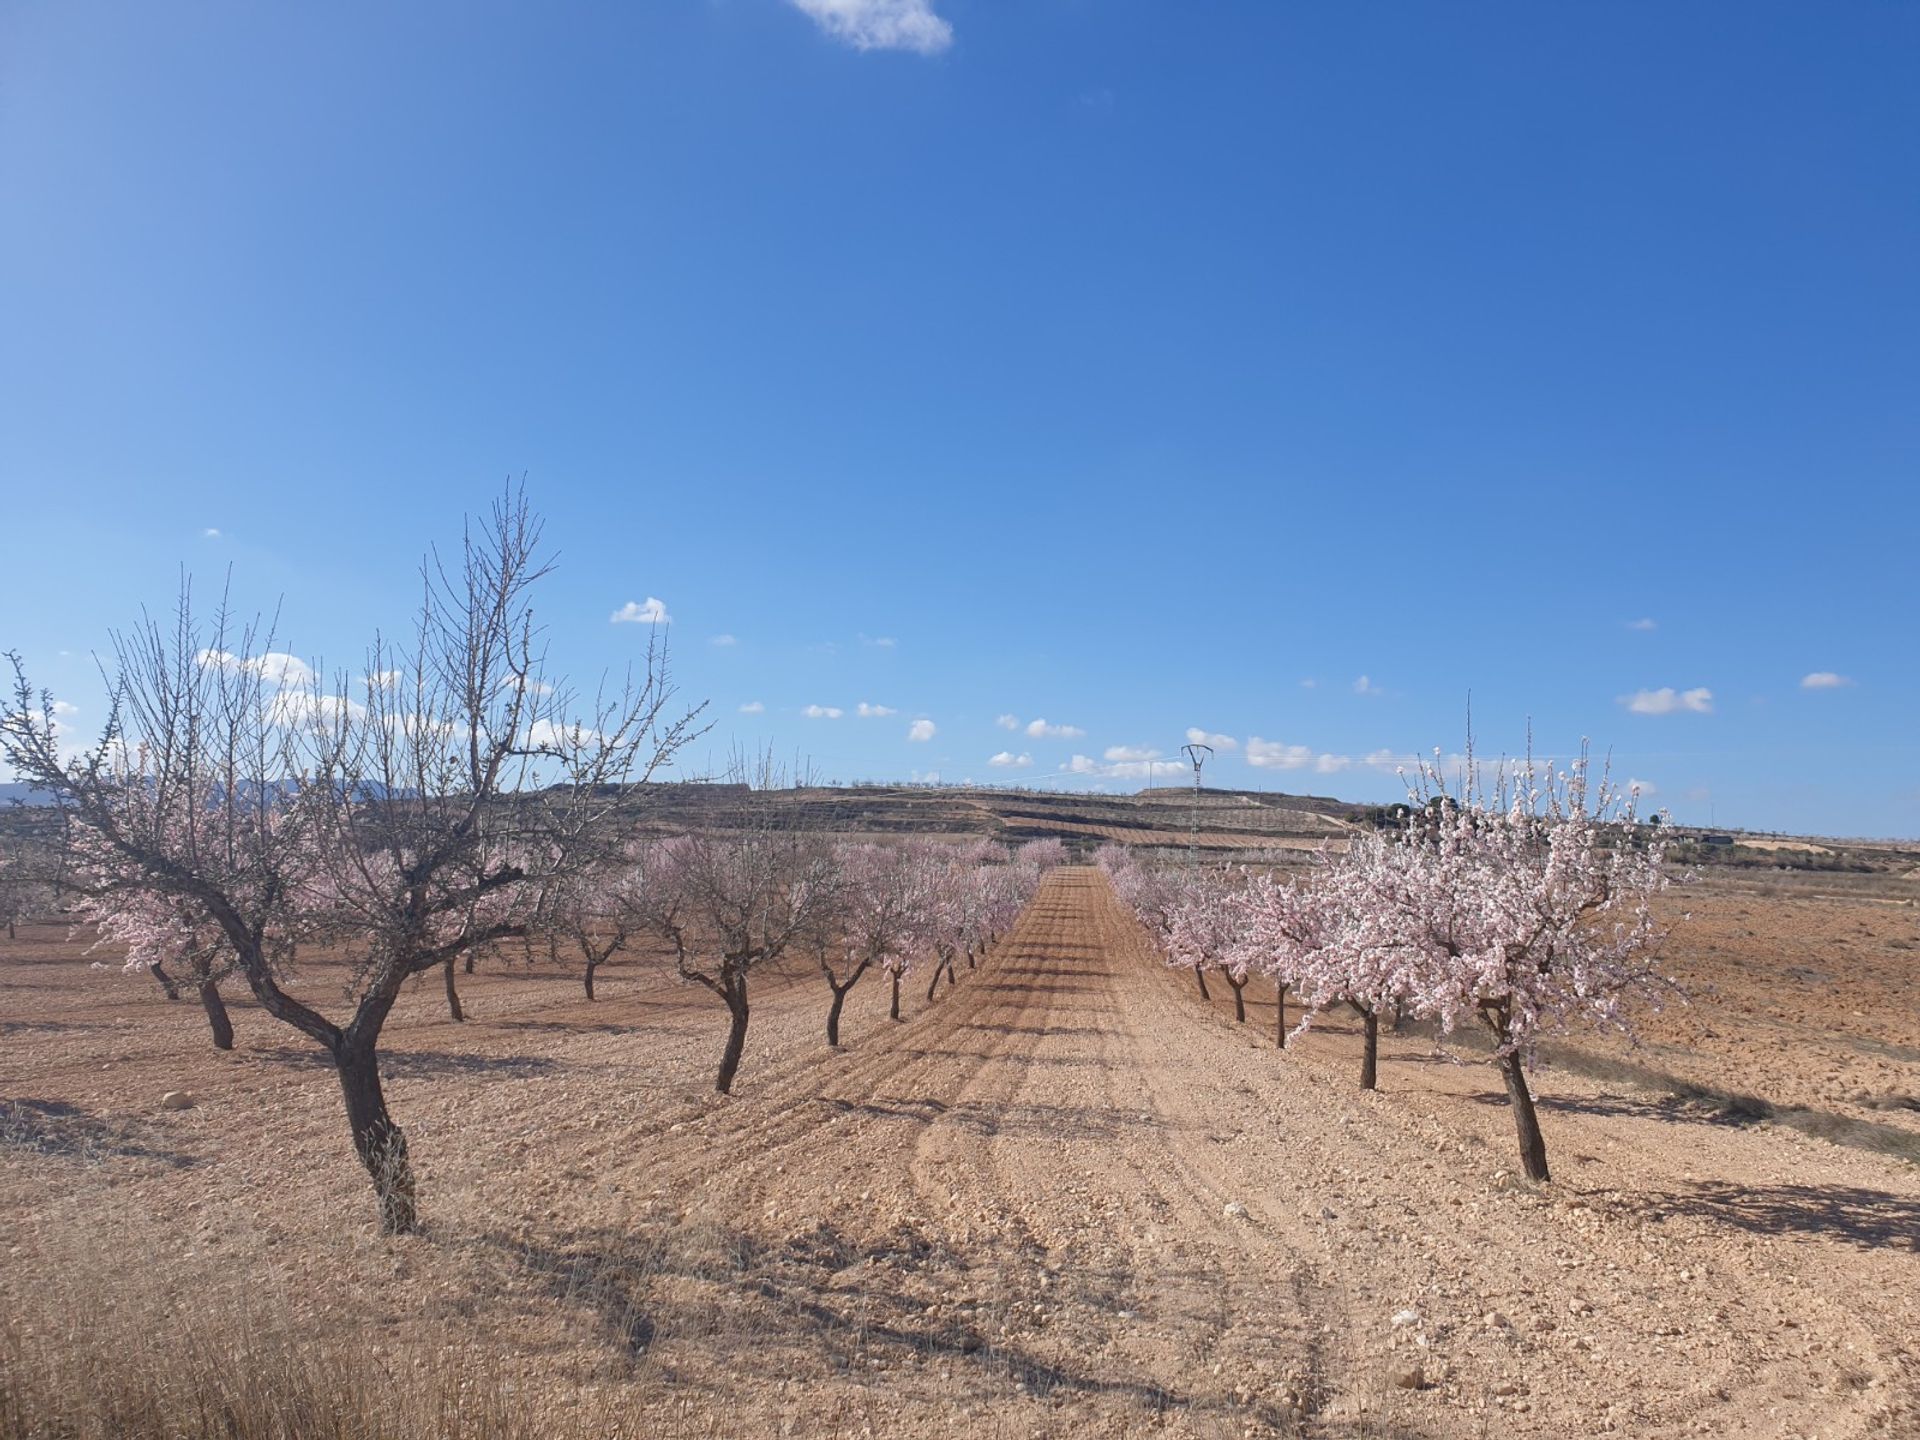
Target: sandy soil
(1066,1197)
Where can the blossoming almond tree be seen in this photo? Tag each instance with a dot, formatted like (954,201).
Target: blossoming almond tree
(1527,908)
(1205,930)
(871,921)
(731,901)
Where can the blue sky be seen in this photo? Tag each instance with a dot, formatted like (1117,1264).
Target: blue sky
(1289,372)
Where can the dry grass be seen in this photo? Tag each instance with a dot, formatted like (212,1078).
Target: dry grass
(105,1350)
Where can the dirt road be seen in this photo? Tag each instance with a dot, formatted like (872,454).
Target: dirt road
(1067,1197)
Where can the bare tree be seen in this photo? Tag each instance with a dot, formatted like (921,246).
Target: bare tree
(429,818)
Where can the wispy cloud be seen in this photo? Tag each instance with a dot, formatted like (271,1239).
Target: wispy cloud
(1823,680)
(1007,722)
(1275,755)
(1041,730)
(1365,686)
(210,533)
(921,730)
(879,642)
(873,712)
(1643,787)
(823,712)
(1642,624)
(881,24)
(1668,701)
(723,641)
(634,612)
(1197,736)
(1309,684)
(753,707)
(1007,760)
(1131,752)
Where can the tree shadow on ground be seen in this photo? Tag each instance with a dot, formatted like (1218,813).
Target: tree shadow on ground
(416,1063)
(989,1119)
(1850,1214)
(53,1127)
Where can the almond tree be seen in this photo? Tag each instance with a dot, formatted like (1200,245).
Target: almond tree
(602,910)
(1205,931)
(427,820)
(159,929)
(1526,908)
(729,902)
(871,923)
(1282,927)
(1152,892)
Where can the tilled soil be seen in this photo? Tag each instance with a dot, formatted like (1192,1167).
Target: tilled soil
(1065,1197)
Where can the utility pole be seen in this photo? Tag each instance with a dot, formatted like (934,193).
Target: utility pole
(1199,755)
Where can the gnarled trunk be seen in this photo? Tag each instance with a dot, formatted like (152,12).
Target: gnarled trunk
(893,1012)
(1239,998)
(1370,1057)
(453,995)
(376,1139)
(469,962)
(736,998)
(833,1012)
(217,1018)
(592,965)
(167,985)
(1280,1015)
(1201,976)
(1533,1145)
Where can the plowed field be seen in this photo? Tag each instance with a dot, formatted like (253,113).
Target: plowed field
(1065,1197)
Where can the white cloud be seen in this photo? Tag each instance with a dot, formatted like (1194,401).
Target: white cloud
(1041,730)
(1197,736)
(653,612)
(1007,760)
(1642,624)
(752,707)
(1823,680)
(879,642)
(921,730)
(1131,752)
(1273,755)
(1364,686)
(1309,684)
(874,712)
(276,667)
(823,712)
(881,24)
(210,533)
(1668,701)
(62,709)
(1124,769)
(1643,787)
(723,641)
(925,777)
(1007,722)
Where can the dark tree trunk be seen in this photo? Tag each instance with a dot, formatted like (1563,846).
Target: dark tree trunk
(970,964)
(952,978)
(453,995)
(1201,976)
(833,1012)
(12,936)
(167,986)
(940,962)
(893,1012)
(1280,1016)
(469,968)
(736,1036)
(378,1141)
(1239,998)
(1370,1057)
(591,967)
(1533,1145)
(216,1009)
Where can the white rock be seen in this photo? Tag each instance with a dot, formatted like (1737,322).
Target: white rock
(176,1100)
(1234,1210)
(1407,1317)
